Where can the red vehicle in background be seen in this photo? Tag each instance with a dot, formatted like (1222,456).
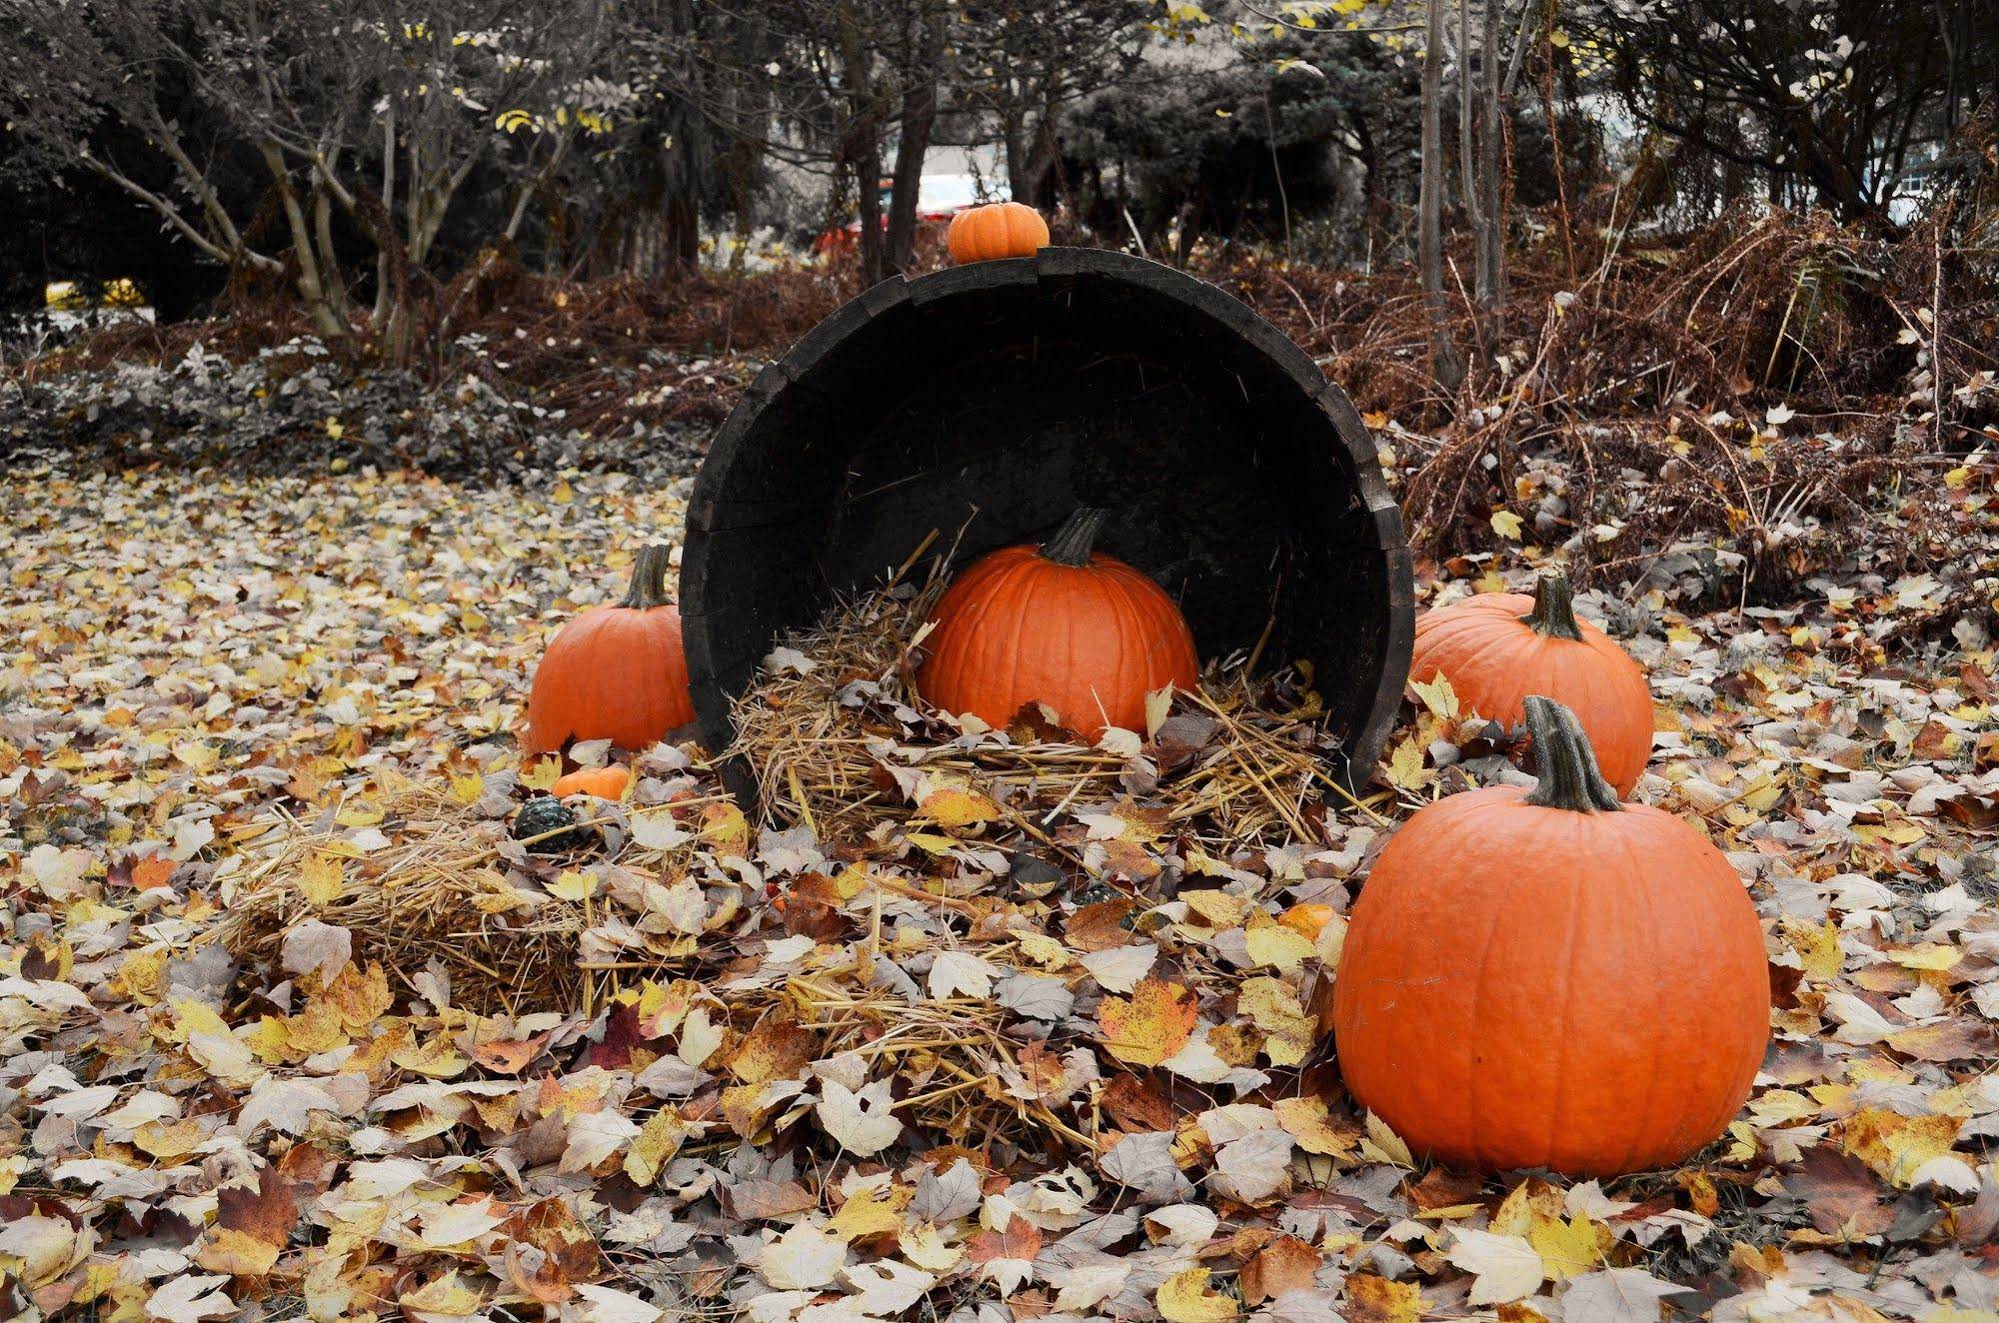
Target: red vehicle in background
(938,199)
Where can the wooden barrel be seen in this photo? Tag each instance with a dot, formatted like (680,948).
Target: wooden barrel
(999,396)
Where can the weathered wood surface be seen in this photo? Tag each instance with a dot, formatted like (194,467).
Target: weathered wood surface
(995,398)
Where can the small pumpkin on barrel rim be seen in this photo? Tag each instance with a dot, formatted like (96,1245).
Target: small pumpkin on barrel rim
(1552,978)
(1497,648)
(997,229)
(615,672)
(1059,624)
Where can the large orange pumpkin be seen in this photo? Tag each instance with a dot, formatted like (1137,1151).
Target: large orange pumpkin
(1499,647)
(1058,624)
(1552,979)
(997,229)
(615,672)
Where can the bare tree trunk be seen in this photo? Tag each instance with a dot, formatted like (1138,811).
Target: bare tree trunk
(383,297)
(1041,159)
(862,146)
(1448,367)
(322,237)
(311,291)
(868,196)
(919,112)
(1014,134)
(1491,263)
(329,261)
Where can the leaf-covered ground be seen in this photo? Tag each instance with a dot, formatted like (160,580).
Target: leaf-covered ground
(203,671)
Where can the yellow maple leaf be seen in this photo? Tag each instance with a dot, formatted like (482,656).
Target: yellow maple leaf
(654,1146)
(1185,1298)
(1437,696)
(193,1017)
(725,829)
(955,808)
(1375,1299)
(1897,1146)
(1927,955)
(852,881)
(361,996)
(1273,1007)
(1043,950)
(227,1250)
(1817,946)
(1384,1145)
(543,774)
(1405,766)
(1217,909)
(572,885)
(1568,1248)
(1151,1025)
(1310,1123)
(446,1297)
(169,1141)
(432,1056)
(200,757)
(322,877)
(359,815)
(467,789)
(870,1213)
(1506,524)
(316,1028)
(924,1246)
(1276,944)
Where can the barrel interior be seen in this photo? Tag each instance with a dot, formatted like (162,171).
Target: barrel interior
(986,403)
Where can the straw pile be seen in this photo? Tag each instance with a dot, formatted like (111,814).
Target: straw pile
(839,740)
(451,892)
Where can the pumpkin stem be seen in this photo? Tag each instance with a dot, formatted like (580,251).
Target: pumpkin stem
(649,578)
(1072,542)
(1554,613)
(1569,776)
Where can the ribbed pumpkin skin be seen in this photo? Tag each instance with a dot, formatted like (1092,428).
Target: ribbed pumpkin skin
(998,229)
(614,672)
(1527,986)
(1088,640)
(1494,660)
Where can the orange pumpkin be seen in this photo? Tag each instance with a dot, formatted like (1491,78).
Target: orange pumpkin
(998,229)
(1552,979)
(615,672)
(1499,647)
(1058,624)
(603,782)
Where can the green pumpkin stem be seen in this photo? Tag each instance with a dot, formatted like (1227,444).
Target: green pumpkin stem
(1072,542)
(1569,776)
(649,578)
(1554,613)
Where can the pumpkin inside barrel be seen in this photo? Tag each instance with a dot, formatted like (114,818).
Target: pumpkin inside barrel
(979,407)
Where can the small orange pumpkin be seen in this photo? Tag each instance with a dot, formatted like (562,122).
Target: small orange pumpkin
(615,672)
(603,782)
(997,229)
(1058,624)
(1499,647)
(1552,979)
